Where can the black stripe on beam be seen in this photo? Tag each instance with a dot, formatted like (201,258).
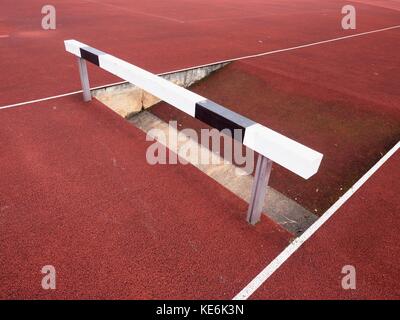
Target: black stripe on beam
(91,54)
(221,118)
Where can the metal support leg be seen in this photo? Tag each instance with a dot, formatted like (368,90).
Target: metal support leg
(84,79)
(259,189)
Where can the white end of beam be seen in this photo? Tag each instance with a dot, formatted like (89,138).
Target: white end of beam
(73,46)
(282,150)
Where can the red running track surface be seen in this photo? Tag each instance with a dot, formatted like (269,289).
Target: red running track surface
(158,35)
(390,4)
(363,233)
(76,192)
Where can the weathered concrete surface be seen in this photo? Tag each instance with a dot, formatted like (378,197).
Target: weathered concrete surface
(278,207)
(127,99)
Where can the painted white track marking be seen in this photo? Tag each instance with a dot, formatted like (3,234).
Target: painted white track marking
(248,290)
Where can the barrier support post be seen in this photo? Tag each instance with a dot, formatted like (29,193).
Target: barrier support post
(259,189)
(83,72)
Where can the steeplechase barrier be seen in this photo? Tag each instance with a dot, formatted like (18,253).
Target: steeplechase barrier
(269,144)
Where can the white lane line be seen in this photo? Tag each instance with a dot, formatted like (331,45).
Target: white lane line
(212,63)
(57,96)
(4,36)
(312,44)
(39,100)
(247,291)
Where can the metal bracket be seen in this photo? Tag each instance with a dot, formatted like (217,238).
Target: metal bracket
(87,96)
(259,189)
